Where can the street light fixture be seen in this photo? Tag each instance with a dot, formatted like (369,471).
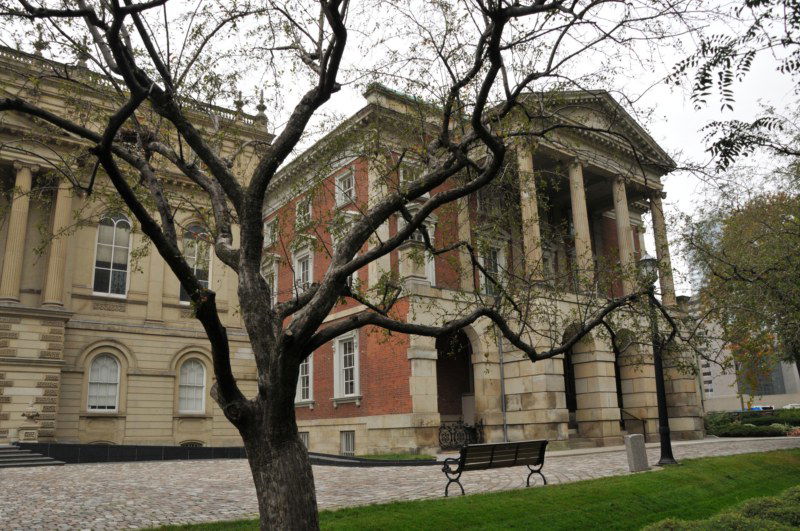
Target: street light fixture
(648,270)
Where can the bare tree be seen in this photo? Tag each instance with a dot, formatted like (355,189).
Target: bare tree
(475,60)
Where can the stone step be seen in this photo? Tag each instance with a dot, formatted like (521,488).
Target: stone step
(12,456)
(22,457)
(46,462)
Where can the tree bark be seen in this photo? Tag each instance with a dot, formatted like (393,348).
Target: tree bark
(283,479)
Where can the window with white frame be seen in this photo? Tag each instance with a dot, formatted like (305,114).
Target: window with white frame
(192,387)
(305,381)
(410,173)
(303,270)
(493,263)
(346,379)
(430,267)
(103,394)
(270,233)
(345,188)
(111,255)
(303,213)
(347,443)
(269,270)
(304,438)
(197,252)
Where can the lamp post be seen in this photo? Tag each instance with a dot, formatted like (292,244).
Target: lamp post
(648,269)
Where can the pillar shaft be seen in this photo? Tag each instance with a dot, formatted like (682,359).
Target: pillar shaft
(17,228)
(580,223)
(529,205)
(662,250)
(53,291)
(624,234)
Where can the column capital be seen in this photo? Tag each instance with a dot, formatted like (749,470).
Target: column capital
(619,177)
(526,142)
(19,165)
(577,160)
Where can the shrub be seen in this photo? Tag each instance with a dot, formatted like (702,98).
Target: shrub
(718,419)
(721,522)
(768,514)
(779,509)
(782,416)
(749,430)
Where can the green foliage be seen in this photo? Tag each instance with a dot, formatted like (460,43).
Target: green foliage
(718,420)
(747,249)
(768,513)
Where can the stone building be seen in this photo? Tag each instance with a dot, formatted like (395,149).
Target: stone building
(95,334)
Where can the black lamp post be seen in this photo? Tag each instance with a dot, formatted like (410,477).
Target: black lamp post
(648,269)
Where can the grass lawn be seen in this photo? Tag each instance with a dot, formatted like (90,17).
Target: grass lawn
(695,489)
(399,457)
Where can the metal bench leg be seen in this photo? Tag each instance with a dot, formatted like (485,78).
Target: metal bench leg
(457,482)
(535,471)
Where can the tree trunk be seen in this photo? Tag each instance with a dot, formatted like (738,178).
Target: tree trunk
(283,479)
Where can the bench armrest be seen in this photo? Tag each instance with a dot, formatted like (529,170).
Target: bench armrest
(448,465)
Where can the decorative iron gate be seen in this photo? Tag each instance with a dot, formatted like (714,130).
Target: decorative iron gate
(453,435)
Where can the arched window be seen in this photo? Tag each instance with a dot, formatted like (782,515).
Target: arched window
(103,384)
(197,252)
(111,255)
(192,387)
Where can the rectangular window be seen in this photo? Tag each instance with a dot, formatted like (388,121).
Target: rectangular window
(348,367)
(346,382)
(303,213)
(409,174)
(492,264)
(269,270)
(111,256)
(347,443)
(304,438)
(270,233)
(305,381)
(345,188)
(303,271)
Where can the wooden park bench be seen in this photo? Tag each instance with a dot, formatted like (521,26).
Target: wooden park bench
(495,455)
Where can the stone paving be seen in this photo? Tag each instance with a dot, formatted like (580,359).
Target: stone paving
(131,495)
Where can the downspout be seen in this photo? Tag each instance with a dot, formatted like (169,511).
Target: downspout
(502,384)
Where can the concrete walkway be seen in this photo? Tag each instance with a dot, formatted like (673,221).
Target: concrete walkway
(131,495)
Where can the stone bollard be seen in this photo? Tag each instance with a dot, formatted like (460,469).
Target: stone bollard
(637,455)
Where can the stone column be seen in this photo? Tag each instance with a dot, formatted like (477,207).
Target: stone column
(17,228)
(580,222)
(662,250)
(529,205)
(624,233)
(53,291)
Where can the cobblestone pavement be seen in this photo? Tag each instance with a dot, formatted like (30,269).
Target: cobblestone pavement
(120,495)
